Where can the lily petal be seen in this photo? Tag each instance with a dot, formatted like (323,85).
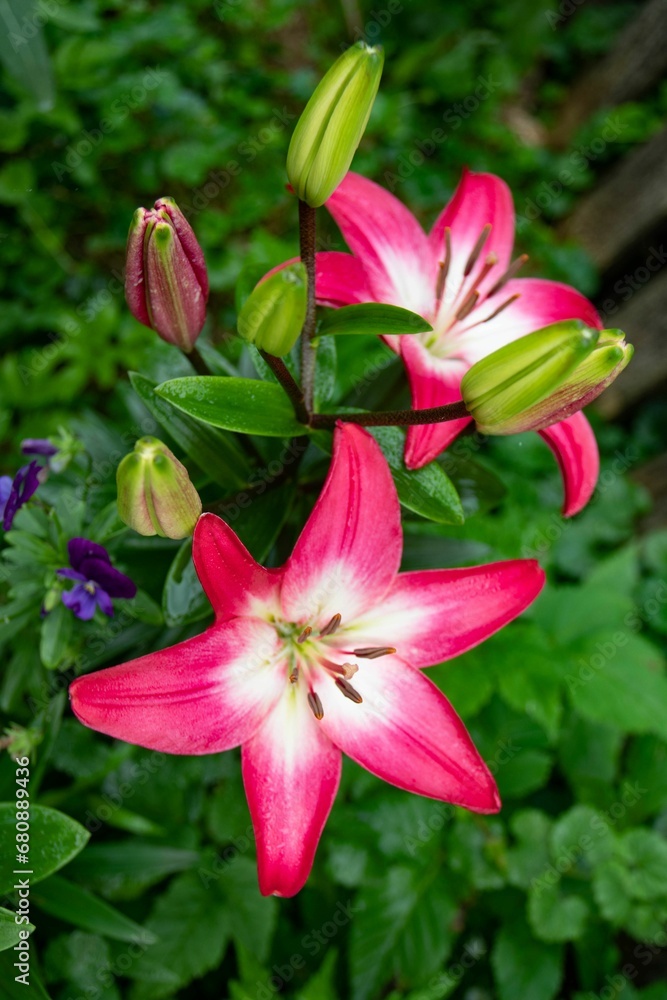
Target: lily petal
(388,240)
(340,278)
(234,583)
(573,443)
(291,772)
(479,200)
(433,615)
(204,695)
(350,548)
(407,733)
(433,382)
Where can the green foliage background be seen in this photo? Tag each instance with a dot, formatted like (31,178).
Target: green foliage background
(564,894)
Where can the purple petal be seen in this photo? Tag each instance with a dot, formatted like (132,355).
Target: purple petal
(80,601)
(82,548)
(25,483)
(5,490)
(71,574)
(104,602)
(38,446)
(108,577)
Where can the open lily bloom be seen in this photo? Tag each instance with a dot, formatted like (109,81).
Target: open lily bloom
(461,278)
(317,658)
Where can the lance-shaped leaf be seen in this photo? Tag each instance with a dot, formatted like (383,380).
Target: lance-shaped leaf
(235,404)
(373,319)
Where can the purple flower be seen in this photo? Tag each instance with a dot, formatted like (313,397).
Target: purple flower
(38,446)
(17,491)
(97,581)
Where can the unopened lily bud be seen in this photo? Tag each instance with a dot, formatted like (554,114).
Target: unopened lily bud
(166,285)
(543,377)
(330,129)
(274,313)
(155,495)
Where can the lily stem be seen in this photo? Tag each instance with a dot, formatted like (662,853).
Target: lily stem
(307,235)
(198,363)
(388,418)
(284,376)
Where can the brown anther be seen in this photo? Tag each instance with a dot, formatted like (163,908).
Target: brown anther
(514,267)
(348,691)
(477,249)
(304,635)
(315,705)
(372,652)
(443,266)
(294,676)
(468,304)
(506,303)
(331,627)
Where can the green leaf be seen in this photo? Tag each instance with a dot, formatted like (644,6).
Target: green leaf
(525,969)
(9,929)
(235,404)
(325,371)
(529,859)
(55,634)
(183,599)
(612,889)
(618,679)
(216,454)
(402,927)
(373,319)
(581,839)
(321,985)
(69,902)
(193,929)
(556,916)
(144,609)
(646,855)
(54,840)
(428,491)
(117,867)
(252,916)
(258,517)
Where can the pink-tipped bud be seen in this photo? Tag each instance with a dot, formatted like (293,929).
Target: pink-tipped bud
(166,285)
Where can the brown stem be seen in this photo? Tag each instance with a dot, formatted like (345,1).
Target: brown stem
(387,418)
(307,234)
(198,363)
(284,376)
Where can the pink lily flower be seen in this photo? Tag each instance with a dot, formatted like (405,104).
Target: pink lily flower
(318,658)
(461,278)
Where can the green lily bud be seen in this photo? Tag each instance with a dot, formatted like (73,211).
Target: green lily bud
(274,313)
(330,129)
(155,495)
(543,377)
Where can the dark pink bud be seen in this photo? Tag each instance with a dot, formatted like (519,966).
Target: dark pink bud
(166,285)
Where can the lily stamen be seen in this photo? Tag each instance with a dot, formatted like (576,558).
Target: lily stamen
(477,249)
(294,676)
(372,652)
(468,304)
(348,691)
(304,635)
(331,627)
(443,267)
(345,670)
(514,267)
(505,304)
(315,705)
